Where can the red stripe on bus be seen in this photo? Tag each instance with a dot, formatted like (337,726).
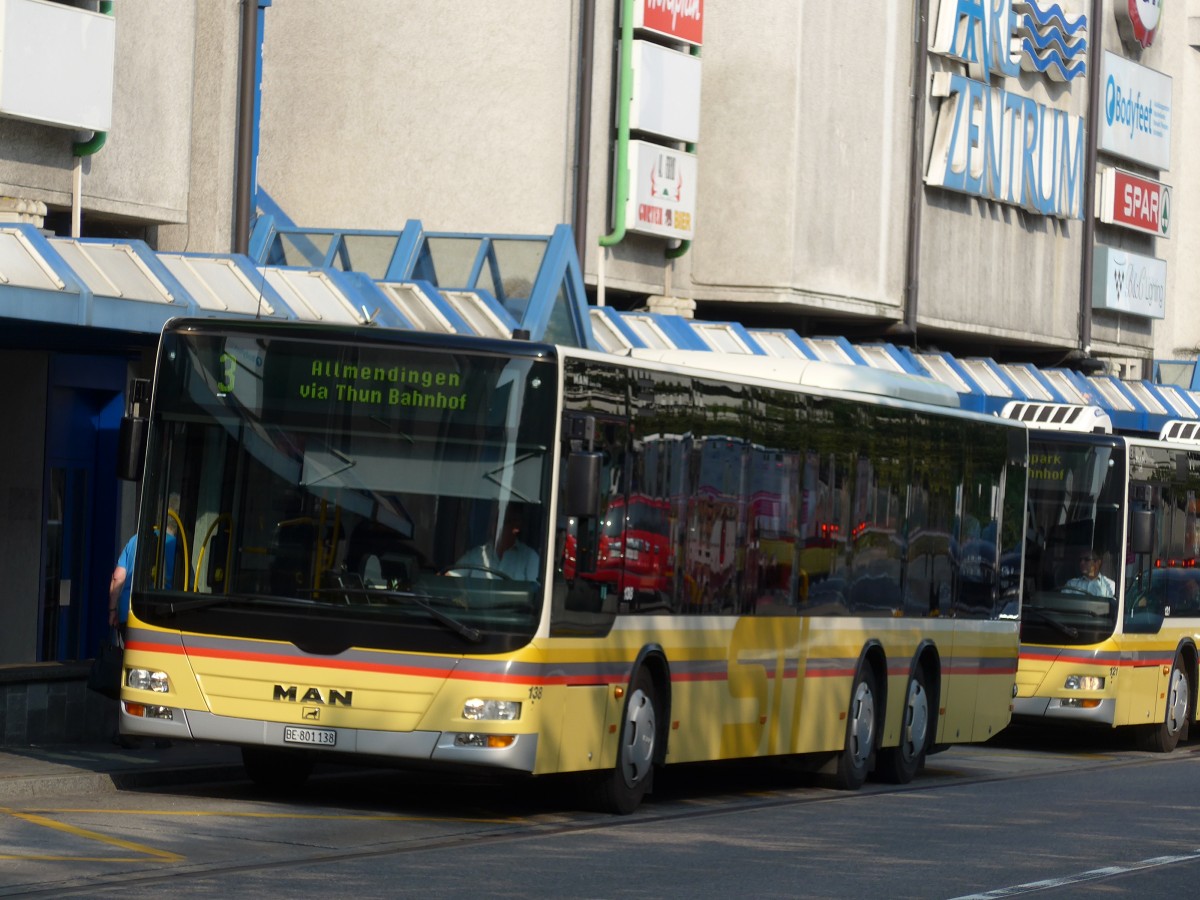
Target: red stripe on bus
(451,674)
(1083,661)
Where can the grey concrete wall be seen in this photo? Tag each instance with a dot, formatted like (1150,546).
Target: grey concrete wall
(211,151)
(803,156)
(21,478)
(1179,334)
(142,170)
(455,113)
(464,116)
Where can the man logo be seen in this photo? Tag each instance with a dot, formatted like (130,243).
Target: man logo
(313,695)
(311,712)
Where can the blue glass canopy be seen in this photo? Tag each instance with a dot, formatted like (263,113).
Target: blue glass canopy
(495,285)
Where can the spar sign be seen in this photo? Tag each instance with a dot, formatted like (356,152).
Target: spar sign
(1135,202)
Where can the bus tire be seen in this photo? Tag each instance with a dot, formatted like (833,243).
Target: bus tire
(854,760)
(900,764)
(275,770)
(623,788)
(1164,737)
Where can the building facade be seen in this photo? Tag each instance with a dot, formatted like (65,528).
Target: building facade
(935,173)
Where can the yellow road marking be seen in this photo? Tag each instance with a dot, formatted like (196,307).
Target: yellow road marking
(31,857)
(33,819)
(176,813)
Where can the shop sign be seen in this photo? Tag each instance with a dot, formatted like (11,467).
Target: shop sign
(1138,20)
(677,20)
(1135,122)
(662,191)
(1129,283)
(1135,202)
(666,93)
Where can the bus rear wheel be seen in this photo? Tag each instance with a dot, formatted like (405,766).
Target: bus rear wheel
(623,788)
(277,771)
(900,764)
(1164,737)
(854,761)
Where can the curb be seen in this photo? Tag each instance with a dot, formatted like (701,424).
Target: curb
(37,786)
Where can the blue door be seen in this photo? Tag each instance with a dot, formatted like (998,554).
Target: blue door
(85,402)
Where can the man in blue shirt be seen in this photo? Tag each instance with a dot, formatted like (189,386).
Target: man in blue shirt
(118,606)
(118,588)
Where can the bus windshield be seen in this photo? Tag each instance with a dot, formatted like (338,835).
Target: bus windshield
(348,494)
(1074,551)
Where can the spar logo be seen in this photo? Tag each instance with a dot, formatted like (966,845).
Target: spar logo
(1138,20)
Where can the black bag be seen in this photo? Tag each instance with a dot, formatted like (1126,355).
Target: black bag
(105,676)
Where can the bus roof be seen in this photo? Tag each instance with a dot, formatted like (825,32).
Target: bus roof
(811,373)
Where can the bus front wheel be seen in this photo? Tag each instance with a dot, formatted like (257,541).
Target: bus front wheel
(623,788)
(900,764)
(854,761)
(1164,737)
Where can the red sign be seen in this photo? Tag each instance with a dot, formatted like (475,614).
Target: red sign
(680,20)
(1135,202)
(1138,20)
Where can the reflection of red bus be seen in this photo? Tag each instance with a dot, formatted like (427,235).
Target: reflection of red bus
(636,556)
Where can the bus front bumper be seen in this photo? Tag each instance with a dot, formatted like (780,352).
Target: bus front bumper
(1065,709)
(451,748)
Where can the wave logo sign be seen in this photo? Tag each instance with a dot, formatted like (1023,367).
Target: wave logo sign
(1051,41)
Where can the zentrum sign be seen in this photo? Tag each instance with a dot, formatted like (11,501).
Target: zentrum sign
(998,144)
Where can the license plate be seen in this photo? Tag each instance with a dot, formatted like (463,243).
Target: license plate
(325,737)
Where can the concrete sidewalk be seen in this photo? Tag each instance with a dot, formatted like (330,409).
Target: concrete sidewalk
(35,772)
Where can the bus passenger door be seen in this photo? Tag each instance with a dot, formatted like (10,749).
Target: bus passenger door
(584,595)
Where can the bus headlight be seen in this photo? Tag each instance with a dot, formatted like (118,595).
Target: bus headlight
(148,680)
(1084,683)
(477,709)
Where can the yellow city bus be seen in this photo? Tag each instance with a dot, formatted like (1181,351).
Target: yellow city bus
(1111,612)
(339,587)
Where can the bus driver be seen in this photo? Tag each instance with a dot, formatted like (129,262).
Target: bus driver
(509,555)
(1090,580)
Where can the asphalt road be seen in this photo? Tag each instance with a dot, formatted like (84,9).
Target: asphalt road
(1027,813)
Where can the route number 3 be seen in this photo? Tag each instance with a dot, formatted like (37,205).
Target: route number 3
(229,370)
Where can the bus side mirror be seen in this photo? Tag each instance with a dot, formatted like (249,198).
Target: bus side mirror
(135,425)
(582,494)
(131,448)
(1141,530)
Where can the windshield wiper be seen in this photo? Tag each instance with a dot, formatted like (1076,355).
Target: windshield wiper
(474,635)
(210,600)
(1048,619)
